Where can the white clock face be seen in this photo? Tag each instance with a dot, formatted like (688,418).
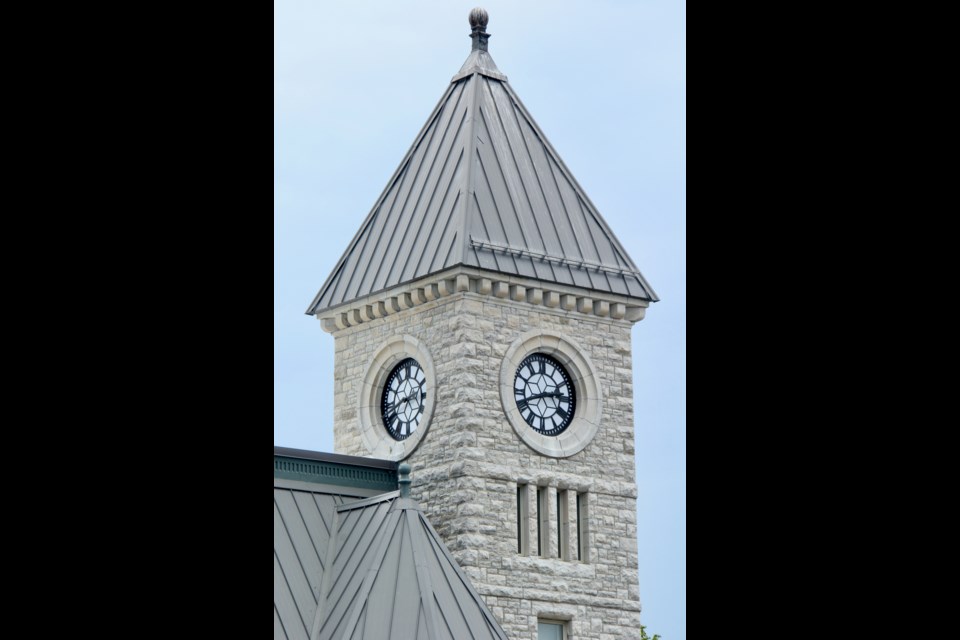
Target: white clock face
(544,394)
(403,399)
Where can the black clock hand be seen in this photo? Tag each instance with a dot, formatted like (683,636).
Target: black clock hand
(412,395)
(549,394)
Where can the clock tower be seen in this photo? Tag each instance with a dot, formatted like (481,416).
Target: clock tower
(482,318)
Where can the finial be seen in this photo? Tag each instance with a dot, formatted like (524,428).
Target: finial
(478,27)
(479,18)
(403,471)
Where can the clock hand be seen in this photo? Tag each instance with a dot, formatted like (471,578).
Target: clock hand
(549,394)
(412,395)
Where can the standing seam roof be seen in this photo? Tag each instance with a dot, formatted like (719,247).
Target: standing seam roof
(390,577)
(481,186)
(302,522)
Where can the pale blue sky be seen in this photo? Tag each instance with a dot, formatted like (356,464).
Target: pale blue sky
(605,79)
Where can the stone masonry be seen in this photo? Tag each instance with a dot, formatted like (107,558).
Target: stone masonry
(467,469)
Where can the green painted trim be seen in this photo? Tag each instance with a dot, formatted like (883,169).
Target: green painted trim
(344,475)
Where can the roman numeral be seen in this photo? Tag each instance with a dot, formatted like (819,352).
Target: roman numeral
(522,404)
(563,414)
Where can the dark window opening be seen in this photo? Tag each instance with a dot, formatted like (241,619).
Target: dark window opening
(519,519)
(580,497)
(559,529)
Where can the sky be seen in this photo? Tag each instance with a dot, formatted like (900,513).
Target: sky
(606,82)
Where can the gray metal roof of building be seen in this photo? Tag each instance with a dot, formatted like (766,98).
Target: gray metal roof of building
(302,520)
(481,186)
(390,577)
(308,488)
(355,562)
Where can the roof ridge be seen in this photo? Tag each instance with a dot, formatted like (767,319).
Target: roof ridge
(423,577)
(467,187)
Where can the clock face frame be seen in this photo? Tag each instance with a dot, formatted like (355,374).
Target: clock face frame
(545,394)
(403,399)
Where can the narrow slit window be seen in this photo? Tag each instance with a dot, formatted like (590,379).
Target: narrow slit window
(583,527)
(539,515)
(543,524)
(523,519)
(579,528)
(560,540)
(519,518)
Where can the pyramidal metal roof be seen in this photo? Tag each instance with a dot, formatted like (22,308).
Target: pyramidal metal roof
(389,577)
(481,186)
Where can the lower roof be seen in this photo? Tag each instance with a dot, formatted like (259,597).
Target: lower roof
(354,563)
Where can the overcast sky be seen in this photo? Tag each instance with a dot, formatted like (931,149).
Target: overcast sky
(605,80)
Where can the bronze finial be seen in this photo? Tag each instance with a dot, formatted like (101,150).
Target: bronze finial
(478,27)
(479,18)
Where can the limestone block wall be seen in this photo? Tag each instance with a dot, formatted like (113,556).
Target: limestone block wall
(467,468)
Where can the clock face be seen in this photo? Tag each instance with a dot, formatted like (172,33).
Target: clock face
(544,394)
(403,398)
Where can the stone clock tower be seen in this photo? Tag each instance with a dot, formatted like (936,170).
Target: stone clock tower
(482,319)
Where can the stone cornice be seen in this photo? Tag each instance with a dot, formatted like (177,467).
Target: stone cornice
(463,279)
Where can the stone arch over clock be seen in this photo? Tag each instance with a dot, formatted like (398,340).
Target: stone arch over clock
(550,393)
(397,398)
